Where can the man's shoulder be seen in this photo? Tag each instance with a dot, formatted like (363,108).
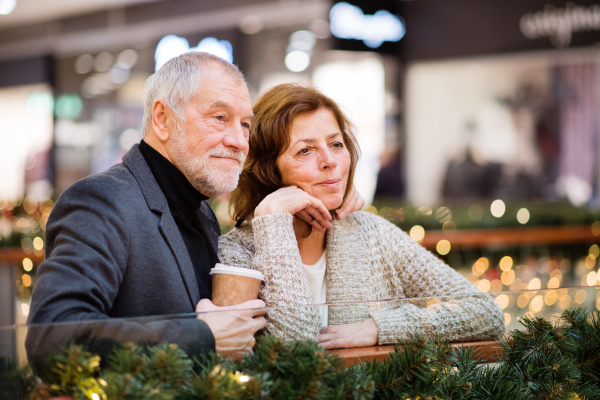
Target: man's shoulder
(116,184)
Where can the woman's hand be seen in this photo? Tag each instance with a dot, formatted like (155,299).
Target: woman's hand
(297,202)
(359,334)
(353,202)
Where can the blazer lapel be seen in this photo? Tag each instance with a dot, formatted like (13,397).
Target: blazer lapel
(170,232)
(157,202)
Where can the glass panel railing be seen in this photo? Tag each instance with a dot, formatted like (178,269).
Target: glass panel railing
(458,318)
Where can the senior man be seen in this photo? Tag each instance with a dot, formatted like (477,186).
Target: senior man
(139,239)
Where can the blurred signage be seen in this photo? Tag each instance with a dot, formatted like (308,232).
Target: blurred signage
(442,29)
(349,22)
(172,46)
(366,25)
(559,23)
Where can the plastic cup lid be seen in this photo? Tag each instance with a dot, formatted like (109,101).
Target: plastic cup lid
(229,270)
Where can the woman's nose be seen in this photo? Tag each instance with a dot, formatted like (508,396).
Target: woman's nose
(328,160)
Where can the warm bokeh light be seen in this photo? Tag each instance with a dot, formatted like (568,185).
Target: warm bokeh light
(590,261)
(517,284)
(25,309)
(523,216)
(556,274)
(370,209)
(591,278)
(551,297)
(580,296)
(495,286)
(26,280)
(502,301)
(417,233)
(244,378)
(536,304)
(508,277)
(534,284)
(565,302)
(449,227)
(498,208)
(30,204)
(27,264)
(479,267)
(553,283)
(595,251)
(38,243)
(522,301)
(484,285)
(507,319)
(506,263)
(443,247)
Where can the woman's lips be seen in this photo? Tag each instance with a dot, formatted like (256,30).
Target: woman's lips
(330,183)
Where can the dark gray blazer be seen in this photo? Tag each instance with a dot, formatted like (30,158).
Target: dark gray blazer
(113,250)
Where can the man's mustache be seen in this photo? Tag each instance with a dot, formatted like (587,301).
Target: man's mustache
(238,155)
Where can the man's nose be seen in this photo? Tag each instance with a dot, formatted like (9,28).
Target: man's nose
(236,138)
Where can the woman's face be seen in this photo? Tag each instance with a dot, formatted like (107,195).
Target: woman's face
(317,160)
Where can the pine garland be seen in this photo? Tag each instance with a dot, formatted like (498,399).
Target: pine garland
(543,361)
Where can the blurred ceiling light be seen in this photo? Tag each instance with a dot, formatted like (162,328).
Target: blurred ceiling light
(172,46)
(103,61)
(306,39)
(129,57)
(251,24)
(349,22)
(297,61)
(84,64)
(7,6)
(320,28)
(119,73)
(96,85)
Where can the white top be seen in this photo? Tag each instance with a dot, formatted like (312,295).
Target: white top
(316,280)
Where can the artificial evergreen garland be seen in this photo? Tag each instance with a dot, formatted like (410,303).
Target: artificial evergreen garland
(544,361)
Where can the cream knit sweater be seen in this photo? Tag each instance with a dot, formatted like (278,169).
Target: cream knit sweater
(368,258)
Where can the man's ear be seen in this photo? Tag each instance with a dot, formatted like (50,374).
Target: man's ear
(160,119)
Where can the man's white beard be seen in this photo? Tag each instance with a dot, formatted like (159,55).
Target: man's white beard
(203,174)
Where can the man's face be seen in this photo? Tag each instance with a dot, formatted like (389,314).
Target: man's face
(211,145)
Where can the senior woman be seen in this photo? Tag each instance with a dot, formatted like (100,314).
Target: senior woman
(302,157)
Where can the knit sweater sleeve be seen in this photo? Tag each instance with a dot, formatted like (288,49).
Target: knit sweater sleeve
(448,313)
(271,248)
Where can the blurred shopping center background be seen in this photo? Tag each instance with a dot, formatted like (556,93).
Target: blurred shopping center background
(478,121)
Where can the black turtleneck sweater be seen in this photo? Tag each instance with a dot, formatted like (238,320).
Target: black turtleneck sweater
(184,201)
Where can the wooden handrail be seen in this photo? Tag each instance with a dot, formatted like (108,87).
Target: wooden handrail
(512,236)
(459,238)
(10,256)
(488,352)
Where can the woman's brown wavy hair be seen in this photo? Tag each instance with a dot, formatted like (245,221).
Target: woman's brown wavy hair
(274,113)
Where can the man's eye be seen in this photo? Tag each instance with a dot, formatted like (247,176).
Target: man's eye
(220,118)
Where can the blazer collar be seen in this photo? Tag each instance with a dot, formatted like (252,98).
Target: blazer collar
(157,202)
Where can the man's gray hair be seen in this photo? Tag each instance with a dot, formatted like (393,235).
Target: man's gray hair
(178,81)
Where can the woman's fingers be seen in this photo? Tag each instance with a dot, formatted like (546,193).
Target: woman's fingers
(354,202)
(318,221)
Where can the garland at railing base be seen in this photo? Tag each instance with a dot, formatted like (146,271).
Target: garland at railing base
(544,361)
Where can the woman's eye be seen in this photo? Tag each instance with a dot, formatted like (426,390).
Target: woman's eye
(304,151)
(220,118)
(338,145)
(246,125)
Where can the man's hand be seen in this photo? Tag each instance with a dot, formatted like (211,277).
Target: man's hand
(297,202)
(353,202)
(359,334)
(233,327)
